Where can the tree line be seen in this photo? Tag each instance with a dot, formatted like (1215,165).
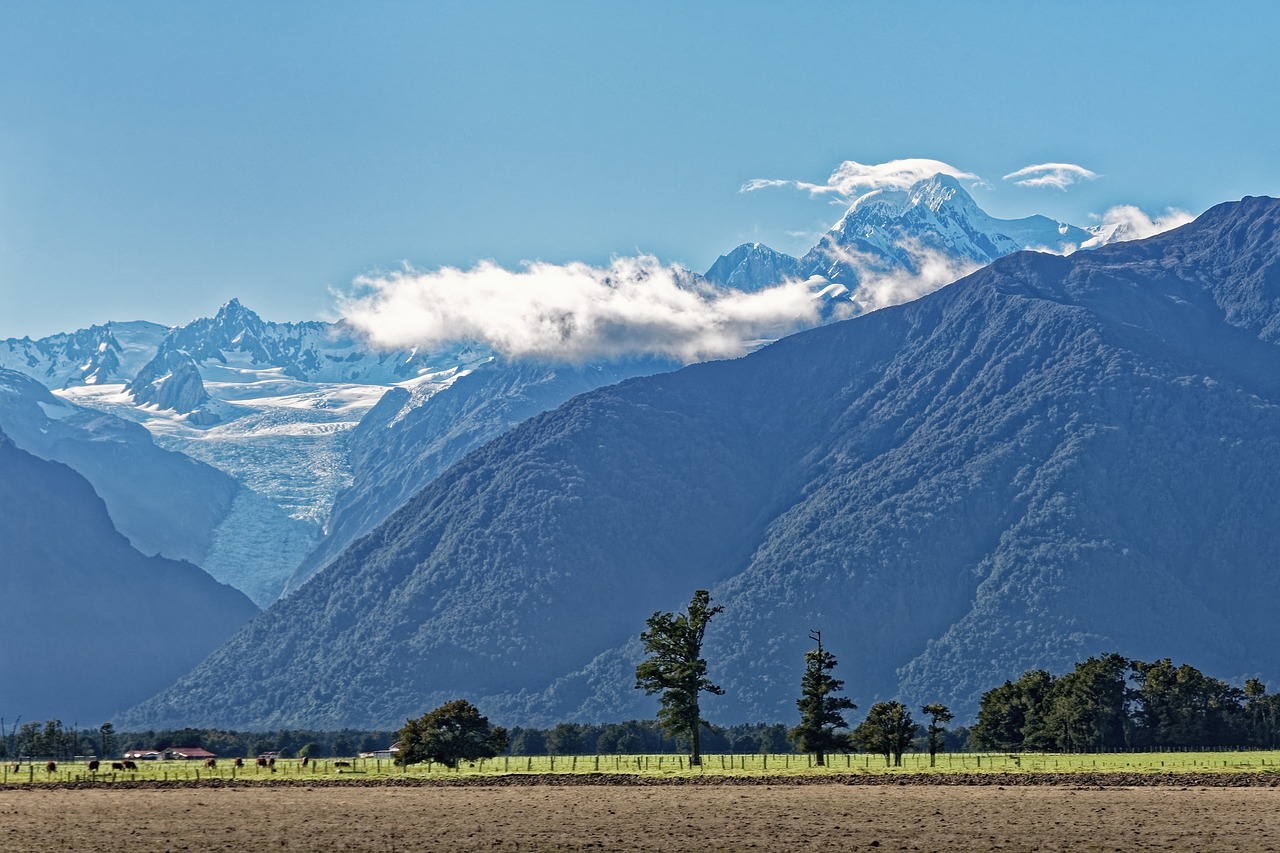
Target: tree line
(1106,702)
(1112,702)
(51,739)
(674,667)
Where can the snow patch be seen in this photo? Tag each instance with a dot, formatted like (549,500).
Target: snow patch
(55,412)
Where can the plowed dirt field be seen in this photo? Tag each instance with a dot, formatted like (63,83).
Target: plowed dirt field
(642,817)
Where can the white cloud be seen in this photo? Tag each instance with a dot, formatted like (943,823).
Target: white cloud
(1057,175)
(934,270)
(1127,222)
(575,312)
(852,179)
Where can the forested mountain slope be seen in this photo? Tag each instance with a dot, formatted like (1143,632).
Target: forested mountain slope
(412,435)
(1050,458)
(92,625)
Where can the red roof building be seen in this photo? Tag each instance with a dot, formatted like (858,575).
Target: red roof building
(187,753)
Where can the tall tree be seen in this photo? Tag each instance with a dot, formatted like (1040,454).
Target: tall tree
(453,732)
(1263,714)
(939,716)
(820,715)
(106,740)
(888,730)
(675,667)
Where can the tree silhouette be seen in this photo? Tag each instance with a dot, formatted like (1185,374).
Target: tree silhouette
(675,667)
(820,715)
(106,740)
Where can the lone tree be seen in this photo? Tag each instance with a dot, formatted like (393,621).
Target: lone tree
(451,733)
(819,710)
(106,740)
(888,730)
(939,716)
(676,668)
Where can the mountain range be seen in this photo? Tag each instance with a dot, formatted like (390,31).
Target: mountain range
(270,449)
(1051,458)
(275,406)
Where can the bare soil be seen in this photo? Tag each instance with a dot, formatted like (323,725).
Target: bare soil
(635,817)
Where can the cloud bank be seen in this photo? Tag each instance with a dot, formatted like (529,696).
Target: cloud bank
(575,313)
(933,270)
(1057,175)
(1127,222)
(852,179)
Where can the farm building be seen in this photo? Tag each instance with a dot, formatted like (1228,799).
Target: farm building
(141,755)
(187,753)
(391,752)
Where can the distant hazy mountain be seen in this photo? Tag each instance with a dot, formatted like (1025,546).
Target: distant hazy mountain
(91,624)
(164,502)
(236,345)
(99,355)
(753,266)
(268,404)
(1052,458)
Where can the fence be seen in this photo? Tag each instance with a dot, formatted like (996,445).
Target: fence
(666,764)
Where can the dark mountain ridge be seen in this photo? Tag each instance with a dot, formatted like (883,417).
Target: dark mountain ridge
(1051,458)
(91,624)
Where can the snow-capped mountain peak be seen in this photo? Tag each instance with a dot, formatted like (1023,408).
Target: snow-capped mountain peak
(932,193)
(887,230)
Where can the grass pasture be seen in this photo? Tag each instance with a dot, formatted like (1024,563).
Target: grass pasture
(913,764)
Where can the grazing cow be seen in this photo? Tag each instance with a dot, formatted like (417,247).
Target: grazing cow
(51,767)
(262,762)
(306,759)
(211,762)
(93,766)
(338,765)
(239,762)
(117,765)
(130,765)
(271,762)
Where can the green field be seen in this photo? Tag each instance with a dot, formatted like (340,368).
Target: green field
(670,765)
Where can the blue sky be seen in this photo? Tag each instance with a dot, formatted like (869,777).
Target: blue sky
(157,159)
